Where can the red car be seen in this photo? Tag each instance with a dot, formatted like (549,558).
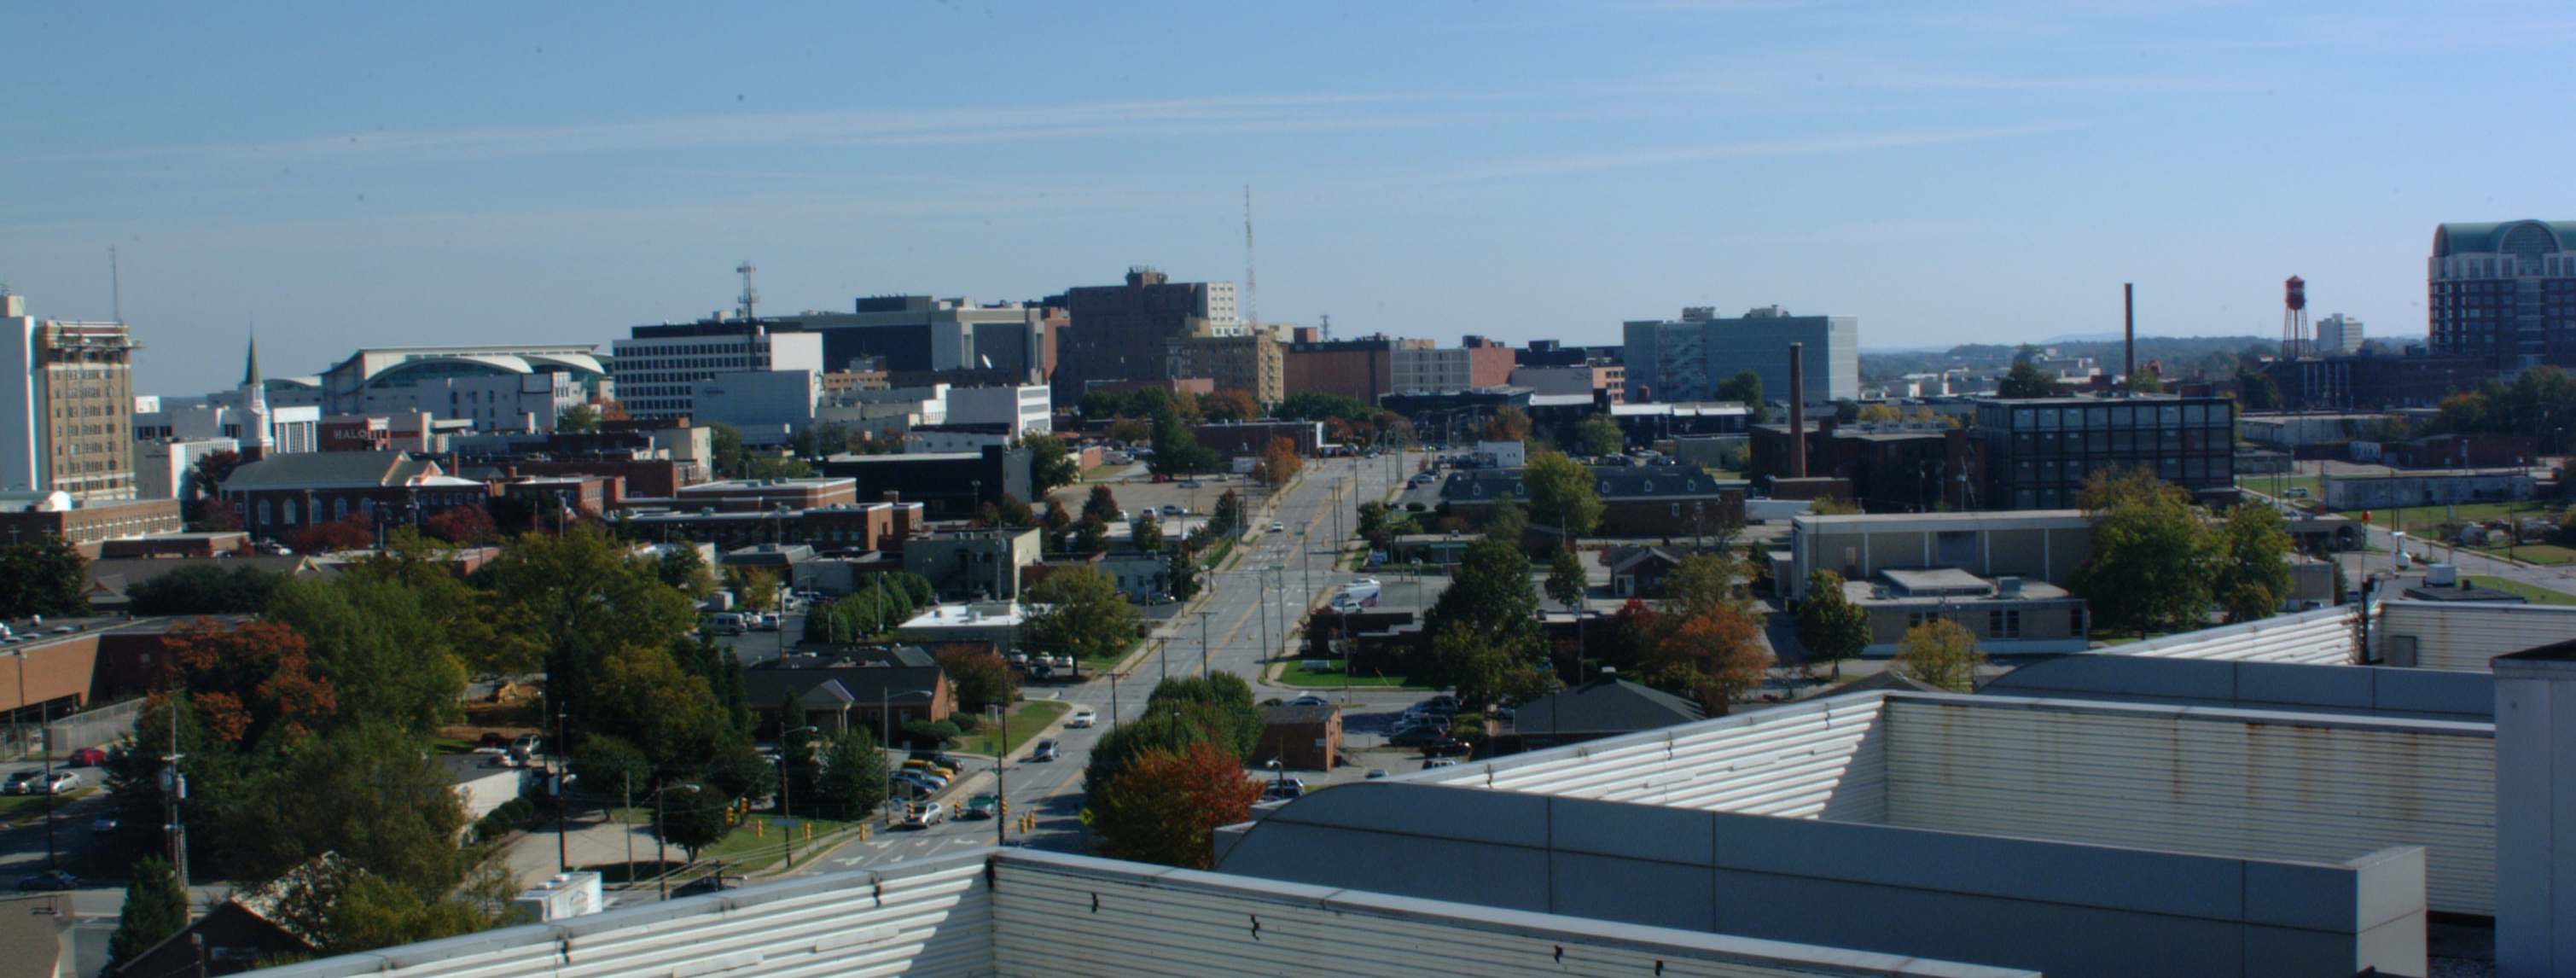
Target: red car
(89,757)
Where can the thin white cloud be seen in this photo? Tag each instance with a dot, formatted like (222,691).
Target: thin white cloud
(883,128)
(1635,159)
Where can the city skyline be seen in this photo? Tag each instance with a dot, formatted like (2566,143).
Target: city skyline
(370,178)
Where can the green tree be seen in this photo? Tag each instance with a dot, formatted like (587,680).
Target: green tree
(371,794)
(578,418)
(2025,380)
(725,444)
(1081,613)
(2258,391)
(1380,524)
(755,588)
(1566,582)
(852,782)
(1465,658)
(770,466)
(1051,464)
(1317,406)
(691,816)
(1702,582)
(1184,571)
(2252,552)
(565,602)
(1485,623)
(607,766)
(1829,625)
(1561,494)
(2150,567)
(1878,414)
(1090,536)
(1171,730)
(43,576)
(1507,522)
(682,567)
(1231,719)
(156,906)
(199,589)
(385,652)
(1940,653)
(1165,807)
(1746,388)
(1147,534)
(1176,449)
(1599,435)
(979,677)
(348,910)
(2149,379)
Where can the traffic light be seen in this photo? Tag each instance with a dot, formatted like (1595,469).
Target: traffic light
(1006,809)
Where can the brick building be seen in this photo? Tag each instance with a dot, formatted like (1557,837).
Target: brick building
(280,494)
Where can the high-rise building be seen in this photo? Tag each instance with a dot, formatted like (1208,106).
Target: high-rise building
(2504,293)
(1685,359)
(655,371)
(66,406)
(1254,362)
(918,332)
(1362,369)
(2337,335)
(1124,332)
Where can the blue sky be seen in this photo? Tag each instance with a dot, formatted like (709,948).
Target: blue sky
(349,175)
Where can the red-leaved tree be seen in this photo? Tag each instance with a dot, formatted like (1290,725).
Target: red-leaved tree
(350,532)
(246,679)
(1165,807)
(462,524)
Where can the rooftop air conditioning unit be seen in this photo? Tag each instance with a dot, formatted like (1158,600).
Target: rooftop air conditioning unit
(2442,575)
(2009,587)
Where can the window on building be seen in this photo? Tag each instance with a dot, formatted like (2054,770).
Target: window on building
(2003,623)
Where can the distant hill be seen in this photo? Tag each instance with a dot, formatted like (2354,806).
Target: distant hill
(2182,356)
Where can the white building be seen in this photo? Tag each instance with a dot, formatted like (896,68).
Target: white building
(2338,334)
(768,406)
(167,469)
(1027,409)
(383,380)
(657,371)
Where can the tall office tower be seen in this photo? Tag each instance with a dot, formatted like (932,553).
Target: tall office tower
(66,406)
(1685,359)
(2504,293)
(1124,332)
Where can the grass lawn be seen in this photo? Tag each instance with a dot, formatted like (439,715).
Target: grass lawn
(16,807)
(1027,718)
(2532,593)
(2544,554)
(756,845)
(2278,485)
(1297,676)
(1111,660)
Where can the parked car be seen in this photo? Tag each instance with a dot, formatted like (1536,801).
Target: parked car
(1439,762)
(51,879)
(492,740)
(1083,717)
(1278,527)
(23,782)
(1171,510)
(925,815)
(930,767)
(1416,737)
(1376,773)
(1309,699)
(1044,751)
(103,824)
(1446,747)
(981,807)
(89,757)
(1282,789)
(710,883)
(62,781)
(1189,483)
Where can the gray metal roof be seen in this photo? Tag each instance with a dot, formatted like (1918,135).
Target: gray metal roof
(1608,705)
(297,470)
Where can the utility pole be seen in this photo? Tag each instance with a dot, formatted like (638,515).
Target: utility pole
(1001,781)
(563,838)
(1203,641)
(626,815)
(174,787)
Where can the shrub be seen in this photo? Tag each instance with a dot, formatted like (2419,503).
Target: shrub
(929,733)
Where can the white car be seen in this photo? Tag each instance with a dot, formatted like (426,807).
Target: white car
(63,781)
(1277,527)
(1083,718)
(930,813)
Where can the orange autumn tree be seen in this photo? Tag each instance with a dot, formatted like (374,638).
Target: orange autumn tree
(248,680)
(1714,654)
(1165,806)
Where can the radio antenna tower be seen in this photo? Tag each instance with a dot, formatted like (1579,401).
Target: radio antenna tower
(750,296)
(1251,291)
(115,289)
(2294,319)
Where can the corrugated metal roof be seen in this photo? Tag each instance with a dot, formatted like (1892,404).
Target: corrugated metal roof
(2465,637)
(2325,636)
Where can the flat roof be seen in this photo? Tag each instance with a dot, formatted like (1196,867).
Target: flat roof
(1983,519)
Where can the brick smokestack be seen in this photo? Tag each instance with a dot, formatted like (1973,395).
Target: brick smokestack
(2129,334)
(1797,410)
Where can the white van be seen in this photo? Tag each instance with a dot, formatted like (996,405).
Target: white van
(725,623)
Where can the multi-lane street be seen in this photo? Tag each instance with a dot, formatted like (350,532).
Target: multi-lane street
(1249,611)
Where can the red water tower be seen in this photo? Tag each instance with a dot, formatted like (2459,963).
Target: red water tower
(2294,319)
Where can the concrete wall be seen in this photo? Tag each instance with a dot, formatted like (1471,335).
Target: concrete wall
(2059,908)
(2463,637)
(1858,549)
(2535,814)
(2423,694)
(2221,783)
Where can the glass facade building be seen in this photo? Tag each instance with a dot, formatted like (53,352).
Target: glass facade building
(2037,453)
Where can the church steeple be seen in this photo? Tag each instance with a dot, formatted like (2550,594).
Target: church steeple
(250,363)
